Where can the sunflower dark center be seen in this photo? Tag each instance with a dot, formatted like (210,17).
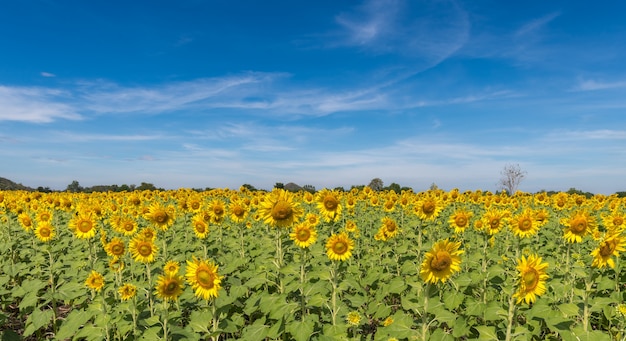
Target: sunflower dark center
(85,226)
(330,203)
(530,279)
(281,211)
(340,248)
(441,261)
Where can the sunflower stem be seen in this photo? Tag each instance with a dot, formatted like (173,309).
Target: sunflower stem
(215,321)
(511,316)
(52,289)
(588,287)
(333,282)
(302,280)
(425,323)
(150,298)
(165,318)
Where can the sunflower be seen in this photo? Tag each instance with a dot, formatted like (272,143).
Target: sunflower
(352,228)
(389,205)
(388,321)
(493,220)
(612,245)
(353,318)
(460,220)
(127,225)
(143,250)
(428,207)
(95,281)
(441,262)
(580,224)
(339,247)
(217,211)
(388,229)
(303,235)
(160,216)
(329,204)
(279,209)
(524,224)
(203,277)
(171,267)
(148,234)
(169,287)
(238,211)
(615,222)
(127,291)
(26,221)
(44,232)
(200,226)
(312,219)
(532,279)
(115,248)
(44,215)
(83,226)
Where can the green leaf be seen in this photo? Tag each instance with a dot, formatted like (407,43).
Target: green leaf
(73,322)
(199,321)
(38,319)
(452,299)
(401,327)
(301,330)
(494,312)
(487,333)
(396,286)
(255,332)
(439,334)
(337,331)
(569,309)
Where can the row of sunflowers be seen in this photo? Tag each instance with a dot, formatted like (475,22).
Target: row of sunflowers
(359,265)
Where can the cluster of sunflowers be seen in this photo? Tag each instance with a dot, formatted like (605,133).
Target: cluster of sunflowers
(394,265)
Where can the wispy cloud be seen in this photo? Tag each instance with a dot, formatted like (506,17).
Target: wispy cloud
(534,26)
(66,136)
(592,85)
(35,104)
(582,135)
(47,74)
(384,27)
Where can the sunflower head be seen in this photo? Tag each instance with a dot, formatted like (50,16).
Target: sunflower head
(353,318)
(303,235)
(339,247)
(532,278)
(203,277)
(441,262)
(127,291)
(115,248)
(611,246)
(143,250)
(169,287)
(279,209)
(329,204)
(578,225)
(45,232)
(95,281)
(83,226)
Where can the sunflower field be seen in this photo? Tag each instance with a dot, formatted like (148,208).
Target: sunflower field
(359,265)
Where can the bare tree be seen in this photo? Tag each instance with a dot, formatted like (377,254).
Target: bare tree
(512,175)
(376,184)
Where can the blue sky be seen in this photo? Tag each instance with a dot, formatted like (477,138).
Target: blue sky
(327,93)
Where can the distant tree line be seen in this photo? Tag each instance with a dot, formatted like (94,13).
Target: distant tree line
(376,184)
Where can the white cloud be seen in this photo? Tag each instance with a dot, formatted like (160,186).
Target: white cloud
(34,104)
(383,26)
(47,74)
(592,85)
